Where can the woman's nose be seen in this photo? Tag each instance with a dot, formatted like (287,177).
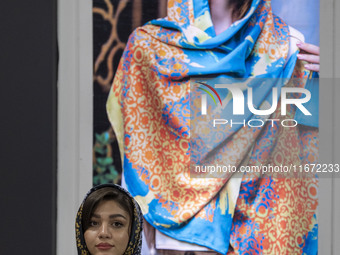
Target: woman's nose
(104,231)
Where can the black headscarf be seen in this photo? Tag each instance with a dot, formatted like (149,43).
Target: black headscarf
(135,243)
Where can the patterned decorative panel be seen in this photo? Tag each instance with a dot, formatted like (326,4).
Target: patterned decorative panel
(113,21)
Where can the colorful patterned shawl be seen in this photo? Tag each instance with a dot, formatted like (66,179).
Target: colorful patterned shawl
(135,242)
(149,110)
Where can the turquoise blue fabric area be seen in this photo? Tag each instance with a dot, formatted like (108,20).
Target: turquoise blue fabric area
(215,236)
(311,242)
(232,51)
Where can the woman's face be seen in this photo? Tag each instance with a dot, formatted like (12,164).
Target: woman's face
(109,230)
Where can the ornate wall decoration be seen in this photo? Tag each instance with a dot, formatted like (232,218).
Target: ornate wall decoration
(113,22)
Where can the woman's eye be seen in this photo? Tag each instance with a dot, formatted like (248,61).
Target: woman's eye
(117,224)
(93,223)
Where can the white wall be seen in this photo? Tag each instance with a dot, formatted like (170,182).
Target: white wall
(74,116)
(75,120)
(329,208)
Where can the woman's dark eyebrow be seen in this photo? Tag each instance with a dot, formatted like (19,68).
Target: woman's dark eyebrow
(117,215)
(111,216)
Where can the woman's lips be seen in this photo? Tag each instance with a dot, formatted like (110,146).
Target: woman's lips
(104,246)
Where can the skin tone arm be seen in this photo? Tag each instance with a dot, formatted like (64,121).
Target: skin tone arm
(311,54)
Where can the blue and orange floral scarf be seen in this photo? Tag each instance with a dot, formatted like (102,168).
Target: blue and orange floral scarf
(149,109)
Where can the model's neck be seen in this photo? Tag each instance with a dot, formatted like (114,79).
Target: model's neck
(221,15)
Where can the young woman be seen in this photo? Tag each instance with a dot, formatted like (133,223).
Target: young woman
(149,109)
(109,221)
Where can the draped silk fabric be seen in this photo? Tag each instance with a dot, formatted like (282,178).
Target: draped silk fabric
(149,109)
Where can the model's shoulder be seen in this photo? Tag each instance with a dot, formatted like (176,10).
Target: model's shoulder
(144,33)
(139,32)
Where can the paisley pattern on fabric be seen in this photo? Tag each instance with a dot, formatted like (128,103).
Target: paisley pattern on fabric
(149,109)
(135,243)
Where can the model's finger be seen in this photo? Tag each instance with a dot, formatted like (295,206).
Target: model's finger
(313,67)
(315,59)
(310,48)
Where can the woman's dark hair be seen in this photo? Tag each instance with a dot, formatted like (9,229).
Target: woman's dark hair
(105,194)
(240,8)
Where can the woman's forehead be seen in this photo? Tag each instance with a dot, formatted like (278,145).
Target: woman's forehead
(110,208)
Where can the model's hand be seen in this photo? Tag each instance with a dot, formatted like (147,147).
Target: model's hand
(311,54)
